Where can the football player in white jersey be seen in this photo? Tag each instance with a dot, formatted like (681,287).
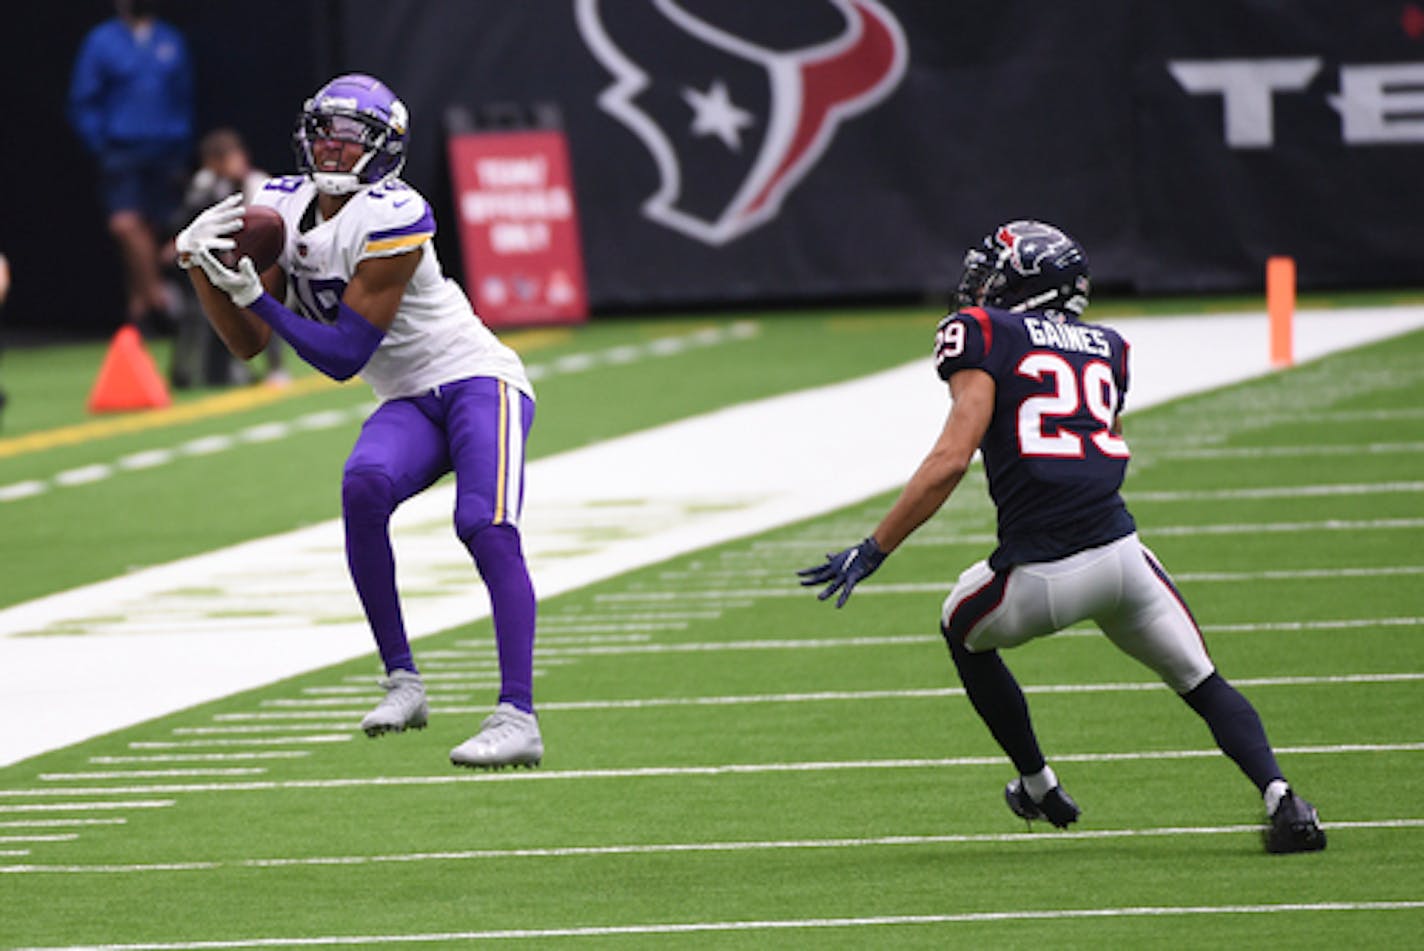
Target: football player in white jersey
(365,294)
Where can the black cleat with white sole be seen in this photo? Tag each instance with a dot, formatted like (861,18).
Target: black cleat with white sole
(1295,827)
(1056,807)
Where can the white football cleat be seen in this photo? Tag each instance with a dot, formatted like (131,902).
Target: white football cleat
(404,706)
(508,737)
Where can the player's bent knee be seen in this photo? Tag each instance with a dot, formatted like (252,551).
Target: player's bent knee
(491,539)
(368,493)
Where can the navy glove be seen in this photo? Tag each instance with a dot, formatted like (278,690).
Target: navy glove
(842,571)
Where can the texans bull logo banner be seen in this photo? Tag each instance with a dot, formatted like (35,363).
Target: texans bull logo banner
(729,152)
(738,122)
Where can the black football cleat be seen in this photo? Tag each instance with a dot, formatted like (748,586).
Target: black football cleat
(1057,807)
(1295,827)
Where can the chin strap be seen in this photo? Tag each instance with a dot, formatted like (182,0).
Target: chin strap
(339,350)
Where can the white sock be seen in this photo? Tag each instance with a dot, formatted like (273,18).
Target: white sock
(1275,789)
(1040,783)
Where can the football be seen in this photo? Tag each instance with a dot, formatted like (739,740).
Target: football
(262,238)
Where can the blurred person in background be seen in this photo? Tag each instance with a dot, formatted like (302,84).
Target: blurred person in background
(131,102)
(199,356)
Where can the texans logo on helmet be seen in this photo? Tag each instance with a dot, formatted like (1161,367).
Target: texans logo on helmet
(1027,243)
(734,124)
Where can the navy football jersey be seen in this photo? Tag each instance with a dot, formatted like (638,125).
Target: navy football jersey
(1053,462)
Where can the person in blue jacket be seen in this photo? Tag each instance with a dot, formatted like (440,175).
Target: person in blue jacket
(131,102)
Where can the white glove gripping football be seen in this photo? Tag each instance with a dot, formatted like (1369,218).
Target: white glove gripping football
(242,285)
(209,230)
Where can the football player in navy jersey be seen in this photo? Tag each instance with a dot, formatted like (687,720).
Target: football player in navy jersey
(358,288)
(1039,393)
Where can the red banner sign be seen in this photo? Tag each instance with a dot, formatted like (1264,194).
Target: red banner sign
(519,232)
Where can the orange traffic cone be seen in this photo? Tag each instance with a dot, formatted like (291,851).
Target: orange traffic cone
(128,378)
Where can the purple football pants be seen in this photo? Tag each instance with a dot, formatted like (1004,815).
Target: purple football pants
(476,428)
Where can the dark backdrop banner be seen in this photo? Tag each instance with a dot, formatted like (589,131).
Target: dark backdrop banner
(1279,128)
(736,150)
(730,151)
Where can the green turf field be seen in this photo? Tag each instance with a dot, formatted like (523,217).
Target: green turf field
(731,763)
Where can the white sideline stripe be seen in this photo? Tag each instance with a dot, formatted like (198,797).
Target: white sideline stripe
(1278,492)
(1300,574)
(445,680)
(591,628)
(1143,911)
(561,619)
(1189,531)
(901,694)
(1340,416)
(87,806)
(1329,625)
(52,837)
(897,640)
(1266,452)
(1326,525)
(1198,577)
(665,848)
(451,691)
(703,481)
(658,772)
(198,757)
(14,853)
(484,648)
(218,730)
(939,692)
(791,590)
(750,645)
(152,774)
(255,741)
(269,432)
(60,823)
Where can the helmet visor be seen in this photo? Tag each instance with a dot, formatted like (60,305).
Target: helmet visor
(321,126)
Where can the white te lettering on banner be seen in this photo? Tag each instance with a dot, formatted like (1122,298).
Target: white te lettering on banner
(1381,103)
(1247,88)
(1378,103)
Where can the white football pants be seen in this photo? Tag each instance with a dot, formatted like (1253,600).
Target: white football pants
(1119,586)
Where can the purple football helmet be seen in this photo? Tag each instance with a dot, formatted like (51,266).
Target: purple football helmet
(353,108)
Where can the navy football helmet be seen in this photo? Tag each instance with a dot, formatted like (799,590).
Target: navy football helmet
(1026,265)
(359,109)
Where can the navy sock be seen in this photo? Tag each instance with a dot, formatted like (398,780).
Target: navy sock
(1000,703)
(1236,727)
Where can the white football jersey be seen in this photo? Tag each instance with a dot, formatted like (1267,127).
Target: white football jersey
(436,337)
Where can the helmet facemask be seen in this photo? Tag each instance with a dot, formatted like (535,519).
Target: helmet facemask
(352,110)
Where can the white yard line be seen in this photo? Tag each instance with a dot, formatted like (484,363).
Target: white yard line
(718,770)
(86,806)
(1048,839)
(345,718)
(151,646)
(773,925)
(60,823)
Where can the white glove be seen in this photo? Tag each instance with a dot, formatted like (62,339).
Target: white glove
(242,285)
(209,230)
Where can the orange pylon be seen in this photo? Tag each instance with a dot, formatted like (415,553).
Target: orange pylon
(1280,306)
(128,378)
